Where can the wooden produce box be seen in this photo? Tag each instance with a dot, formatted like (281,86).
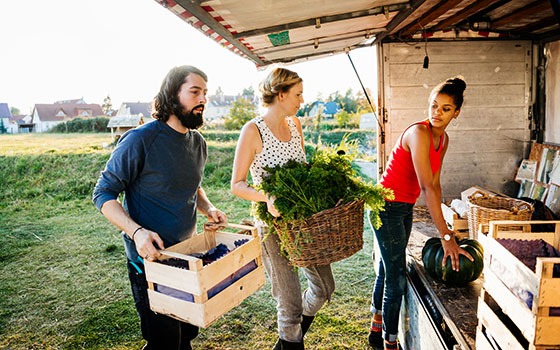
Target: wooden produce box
(201,294)
(504,315)
(454,222)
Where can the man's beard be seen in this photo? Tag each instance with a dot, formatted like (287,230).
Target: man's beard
(190,119)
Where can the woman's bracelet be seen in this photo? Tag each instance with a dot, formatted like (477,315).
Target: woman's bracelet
(134,233)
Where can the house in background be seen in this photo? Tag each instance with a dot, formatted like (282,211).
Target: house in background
(218,106)
(46,116)
(143,109)
(21,123)
(129,116)
(5,117)
(328,109)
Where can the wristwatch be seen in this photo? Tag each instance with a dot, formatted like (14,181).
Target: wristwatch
(447,237)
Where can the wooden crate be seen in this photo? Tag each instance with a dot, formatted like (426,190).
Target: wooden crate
(454,222)
(199,280)
(506,278)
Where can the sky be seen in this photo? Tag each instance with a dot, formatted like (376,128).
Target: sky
(69,49)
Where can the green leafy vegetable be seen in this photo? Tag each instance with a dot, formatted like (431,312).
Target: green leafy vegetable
(328,180)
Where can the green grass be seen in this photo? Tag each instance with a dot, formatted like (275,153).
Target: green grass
(63,281)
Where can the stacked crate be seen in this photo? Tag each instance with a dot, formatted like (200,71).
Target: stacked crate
(505,319)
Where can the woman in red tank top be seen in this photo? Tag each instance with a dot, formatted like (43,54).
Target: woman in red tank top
(414,167)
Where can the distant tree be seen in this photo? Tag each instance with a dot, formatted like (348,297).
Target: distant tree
(3,129)
(219,94)
(107,105)
(248,92)
(342,118)
(349,102)
(242,110)
(346,102)
(319,118)
(362,102)
(14,111)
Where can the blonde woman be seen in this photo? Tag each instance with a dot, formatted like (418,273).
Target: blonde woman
(267,141)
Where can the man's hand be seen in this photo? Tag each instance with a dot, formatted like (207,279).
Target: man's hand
(146,242)
(217,219)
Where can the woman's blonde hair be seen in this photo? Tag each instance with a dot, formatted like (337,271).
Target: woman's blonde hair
(279,80)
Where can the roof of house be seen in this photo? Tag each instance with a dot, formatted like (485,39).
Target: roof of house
(5,111)
(62,111)
(330,107)
(74,101)
(221,100)
(137,108)
(128,121)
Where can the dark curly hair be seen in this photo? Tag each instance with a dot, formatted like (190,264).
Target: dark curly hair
(453,87)
(166,101)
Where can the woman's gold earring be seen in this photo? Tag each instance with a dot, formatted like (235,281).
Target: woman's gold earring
(455,123)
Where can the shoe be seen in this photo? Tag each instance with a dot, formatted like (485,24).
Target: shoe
(391,345)
(305,324)
(376,341)
(286,345)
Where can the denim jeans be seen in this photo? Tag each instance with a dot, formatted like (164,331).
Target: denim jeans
(291,304)
(392,238)
(161,332)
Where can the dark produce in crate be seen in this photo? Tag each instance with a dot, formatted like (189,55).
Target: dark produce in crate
(207,258)
(527,251)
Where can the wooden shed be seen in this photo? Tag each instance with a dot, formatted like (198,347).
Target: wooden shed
(122,123)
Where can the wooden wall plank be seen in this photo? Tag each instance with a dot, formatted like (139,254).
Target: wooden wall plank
(492,134)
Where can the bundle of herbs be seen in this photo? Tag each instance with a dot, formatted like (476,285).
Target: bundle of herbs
(328,180)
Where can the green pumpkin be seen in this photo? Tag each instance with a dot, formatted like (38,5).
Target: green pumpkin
(474,243)
(429,255)
(432,257)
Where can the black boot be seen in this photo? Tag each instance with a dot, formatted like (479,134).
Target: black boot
(286,345)
(305,323)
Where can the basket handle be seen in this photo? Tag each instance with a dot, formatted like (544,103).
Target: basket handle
(251,229)
(523,206)
(478,194)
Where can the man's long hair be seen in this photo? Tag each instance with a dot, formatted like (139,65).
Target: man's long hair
(166,101)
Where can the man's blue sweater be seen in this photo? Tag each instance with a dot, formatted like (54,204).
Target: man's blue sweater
(160,171)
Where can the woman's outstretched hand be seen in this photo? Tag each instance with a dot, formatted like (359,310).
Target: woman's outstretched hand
(452,250)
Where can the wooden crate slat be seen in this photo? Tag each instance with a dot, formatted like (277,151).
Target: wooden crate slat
(510,304)
(496,328)
(173,277)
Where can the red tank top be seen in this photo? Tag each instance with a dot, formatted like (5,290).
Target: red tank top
(400,175)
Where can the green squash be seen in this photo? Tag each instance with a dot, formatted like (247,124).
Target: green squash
(429,254)
(432,257)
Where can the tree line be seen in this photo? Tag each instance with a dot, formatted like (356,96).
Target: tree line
(245,108)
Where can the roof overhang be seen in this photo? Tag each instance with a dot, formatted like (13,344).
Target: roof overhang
(290,31)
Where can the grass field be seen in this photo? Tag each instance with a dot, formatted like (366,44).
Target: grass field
(63,282)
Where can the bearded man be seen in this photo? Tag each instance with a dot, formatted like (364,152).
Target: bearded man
(159,167)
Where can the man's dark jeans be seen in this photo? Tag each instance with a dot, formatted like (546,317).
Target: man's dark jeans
(160,331)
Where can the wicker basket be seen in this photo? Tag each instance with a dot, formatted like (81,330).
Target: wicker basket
(484,208)
(326,237)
